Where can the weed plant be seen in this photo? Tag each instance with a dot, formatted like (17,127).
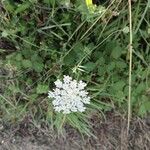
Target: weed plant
(40,41)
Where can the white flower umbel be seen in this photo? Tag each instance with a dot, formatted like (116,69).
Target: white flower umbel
(69,96)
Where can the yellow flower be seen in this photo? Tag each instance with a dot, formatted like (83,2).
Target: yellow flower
(90,5)
(89,2)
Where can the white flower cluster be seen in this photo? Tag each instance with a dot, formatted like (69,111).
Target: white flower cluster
(69,96)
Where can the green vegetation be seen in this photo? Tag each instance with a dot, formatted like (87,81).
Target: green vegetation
(40,41)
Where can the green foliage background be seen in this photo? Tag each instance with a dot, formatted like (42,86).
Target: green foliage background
(43,40)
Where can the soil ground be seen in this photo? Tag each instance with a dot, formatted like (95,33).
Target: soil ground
(110,133)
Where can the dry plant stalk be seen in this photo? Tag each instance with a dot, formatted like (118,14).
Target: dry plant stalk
(130,66)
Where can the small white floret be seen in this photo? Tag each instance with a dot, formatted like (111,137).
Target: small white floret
(69,96)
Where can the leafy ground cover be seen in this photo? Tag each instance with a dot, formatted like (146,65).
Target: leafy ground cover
(40,41)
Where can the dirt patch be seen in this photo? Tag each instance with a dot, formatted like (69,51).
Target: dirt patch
(111,135)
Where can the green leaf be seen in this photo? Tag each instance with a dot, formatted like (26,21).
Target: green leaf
(117,89)
(14,88)
(19,57)
(121,64)
(38,67)
(89,66)
(70,58)
(101,70)
(42,88)
(22,7)
(144,107)
(118,86)
(120,94)
(111,66)
(33,97)
(79,51)
(140,88)
(59,121)
(26,63)
(36,58)
(101,60)
(116,52)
